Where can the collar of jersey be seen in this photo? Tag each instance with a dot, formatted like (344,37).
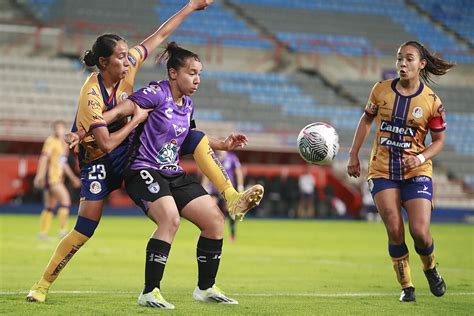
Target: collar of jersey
(394,88)
(110,101)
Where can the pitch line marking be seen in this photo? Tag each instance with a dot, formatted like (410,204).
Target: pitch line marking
(255,294)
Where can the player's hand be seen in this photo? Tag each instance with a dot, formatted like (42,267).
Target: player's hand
(411,162)
(72,139)
(200,4)
(139,114)
(39,182)
(235,141)
(353,166)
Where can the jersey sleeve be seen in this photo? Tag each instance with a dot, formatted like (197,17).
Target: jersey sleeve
(136,56)
(89,113)
(371,108)
(437,121)
(149,97)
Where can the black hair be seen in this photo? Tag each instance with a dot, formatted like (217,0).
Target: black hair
(103,46)
(434,64)
(175,56)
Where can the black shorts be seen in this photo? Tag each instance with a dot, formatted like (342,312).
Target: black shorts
(148,185)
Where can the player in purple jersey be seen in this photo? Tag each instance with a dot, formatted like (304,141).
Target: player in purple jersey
(157,183)
(232,166)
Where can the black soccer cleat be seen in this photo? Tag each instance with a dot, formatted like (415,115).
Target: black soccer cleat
(436,282)
(408,295)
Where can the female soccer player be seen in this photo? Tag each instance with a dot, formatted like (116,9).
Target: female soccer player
(52,167)
(157,183)
(400,167)
(103,154)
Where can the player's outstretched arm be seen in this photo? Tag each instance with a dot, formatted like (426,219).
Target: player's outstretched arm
(167,28)
(363,129)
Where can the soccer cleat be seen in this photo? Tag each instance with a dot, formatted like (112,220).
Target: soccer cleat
(37,293)
(244,202)
(408,295)
(436,282)
(214,295)
(154,299)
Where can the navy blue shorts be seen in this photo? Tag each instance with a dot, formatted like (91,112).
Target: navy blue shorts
(419,187)
(102,176)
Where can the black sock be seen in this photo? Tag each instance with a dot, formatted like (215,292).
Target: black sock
(208,256)
(156,255)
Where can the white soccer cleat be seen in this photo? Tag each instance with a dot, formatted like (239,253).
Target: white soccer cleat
(154,299)
(214,295)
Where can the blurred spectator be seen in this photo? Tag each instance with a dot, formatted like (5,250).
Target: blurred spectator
(306,185)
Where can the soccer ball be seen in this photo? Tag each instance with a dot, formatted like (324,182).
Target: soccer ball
(318,143)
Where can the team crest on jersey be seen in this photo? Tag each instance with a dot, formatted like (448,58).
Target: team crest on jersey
(95,187)
(123,96)
(167,153)
(154,187)
(179,129)
(132,60)
(417,112)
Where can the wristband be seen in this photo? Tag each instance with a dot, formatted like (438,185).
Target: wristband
(421,158)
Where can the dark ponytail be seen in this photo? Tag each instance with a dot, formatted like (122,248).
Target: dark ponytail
(103,46)
(434,64)
(175,56)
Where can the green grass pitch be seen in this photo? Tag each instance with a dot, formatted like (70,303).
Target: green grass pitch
(276,267)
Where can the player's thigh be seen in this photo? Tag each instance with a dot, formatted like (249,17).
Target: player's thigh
(389,207)
(204,213)
(60,192)
(91,209)
(419,216)
(164,211)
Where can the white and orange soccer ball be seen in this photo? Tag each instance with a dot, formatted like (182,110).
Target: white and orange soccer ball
(318,143)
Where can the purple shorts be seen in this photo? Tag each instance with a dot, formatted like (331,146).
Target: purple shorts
(419,187)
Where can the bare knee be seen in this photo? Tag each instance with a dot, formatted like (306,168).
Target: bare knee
(421,236)
(214,227)
(394,226)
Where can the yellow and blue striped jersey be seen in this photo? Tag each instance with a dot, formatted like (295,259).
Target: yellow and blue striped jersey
(402,123)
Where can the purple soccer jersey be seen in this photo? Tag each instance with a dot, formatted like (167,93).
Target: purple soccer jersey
(156,143)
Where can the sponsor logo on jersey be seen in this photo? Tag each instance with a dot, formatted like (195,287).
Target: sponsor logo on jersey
(169,99)
(178,129)
(93,104)
(95,187)
(154,187)
(132,60)
(371,107)
(170,167)
(435,97)
(424,191)
(92,92)
(418,179)
(384,141)
(167,153)
(168,112)
(97,117)
(404,130)
(417,112)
